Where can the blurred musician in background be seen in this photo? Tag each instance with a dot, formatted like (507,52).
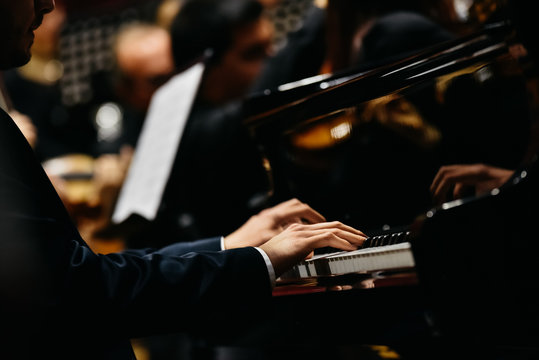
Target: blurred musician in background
(143,62)
(349,33)
(217,174)
(166,11)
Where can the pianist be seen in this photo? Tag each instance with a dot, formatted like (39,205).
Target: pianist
(58,299)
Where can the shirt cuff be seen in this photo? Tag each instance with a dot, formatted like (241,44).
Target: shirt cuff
(269,265)
(222,243)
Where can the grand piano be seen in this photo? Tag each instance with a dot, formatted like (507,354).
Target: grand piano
(362,146)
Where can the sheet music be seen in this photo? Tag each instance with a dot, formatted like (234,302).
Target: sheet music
(158,143)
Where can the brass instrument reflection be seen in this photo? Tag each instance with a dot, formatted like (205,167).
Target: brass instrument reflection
(328,130)
(400,115)
(393,112)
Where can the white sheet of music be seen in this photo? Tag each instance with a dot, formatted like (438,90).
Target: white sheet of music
(158,143)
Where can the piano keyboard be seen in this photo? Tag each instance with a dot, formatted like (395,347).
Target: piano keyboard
(378,253)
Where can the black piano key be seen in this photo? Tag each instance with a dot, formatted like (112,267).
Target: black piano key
(367,243)
(405,236)
(386,239)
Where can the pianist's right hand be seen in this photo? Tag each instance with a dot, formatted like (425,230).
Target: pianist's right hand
(298,241)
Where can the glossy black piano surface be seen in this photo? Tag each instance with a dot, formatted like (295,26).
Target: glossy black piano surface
(363,147)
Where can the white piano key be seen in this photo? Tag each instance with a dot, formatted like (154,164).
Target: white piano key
(372,259)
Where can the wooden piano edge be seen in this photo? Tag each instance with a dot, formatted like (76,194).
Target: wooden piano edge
(351,281)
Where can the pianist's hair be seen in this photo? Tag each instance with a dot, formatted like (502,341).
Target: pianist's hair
(203,25)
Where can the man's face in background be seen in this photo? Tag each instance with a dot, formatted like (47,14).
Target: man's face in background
(240,64)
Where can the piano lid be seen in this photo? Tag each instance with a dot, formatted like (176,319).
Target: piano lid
(363,147)
(270,104)
(477,261)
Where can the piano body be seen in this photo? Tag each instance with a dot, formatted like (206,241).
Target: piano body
(363,147)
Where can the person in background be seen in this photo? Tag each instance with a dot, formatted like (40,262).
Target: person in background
(59,299)
(143,61)
(217,179)
(166,11)
(217,172)
(286,16)
(346,34)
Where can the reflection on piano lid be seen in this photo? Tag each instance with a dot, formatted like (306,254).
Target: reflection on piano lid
(475,259)
(441,58)
(363,147)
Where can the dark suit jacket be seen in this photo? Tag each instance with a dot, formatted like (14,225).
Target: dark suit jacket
(58,299)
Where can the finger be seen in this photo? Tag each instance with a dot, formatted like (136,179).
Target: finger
(337,225)
(458,191)
(440,192)
(436,181)
(351,229)
(296,209)
(440,176)
(459,181)
(289,221)
(351,237)
(324,238)
(307,213)
(467,174)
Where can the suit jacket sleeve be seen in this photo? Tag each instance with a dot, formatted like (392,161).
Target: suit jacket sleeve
(210,244)
(64,291)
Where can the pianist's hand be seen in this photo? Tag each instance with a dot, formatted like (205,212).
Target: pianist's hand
(270,222)
(458,179)
(298,241)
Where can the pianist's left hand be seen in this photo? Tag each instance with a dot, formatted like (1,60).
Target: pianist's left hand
(270,222)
